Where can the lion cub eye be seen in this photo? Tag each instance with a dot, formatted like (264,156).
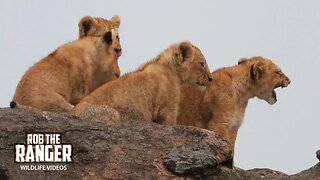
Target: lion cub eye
(202,64)
(278,72)
(117,37)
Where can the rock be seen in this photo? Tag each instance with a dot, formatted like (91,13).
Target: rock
(134,149)
(311,173)
(267,173)
(186,161)
(126,150)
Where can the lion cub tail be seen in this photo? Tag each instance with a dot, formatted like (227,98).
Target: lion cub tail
(13,104)
(16,105)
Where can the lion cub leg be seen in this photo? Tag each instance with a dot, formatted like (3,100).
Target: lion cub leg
(56,103)
(232,137)
(168,116)
(44,102)
(220,128)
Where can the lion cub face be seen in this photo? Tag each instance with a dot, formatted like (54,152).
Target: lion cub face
(89,26)
(194,68)
(108,67)
(266,77)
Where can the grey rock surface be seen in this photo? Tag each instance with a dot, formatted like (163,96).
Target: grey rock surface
(126,150)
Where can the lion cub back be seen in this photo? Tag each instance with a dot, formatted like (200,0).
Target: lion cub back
(152,91)
(66,75)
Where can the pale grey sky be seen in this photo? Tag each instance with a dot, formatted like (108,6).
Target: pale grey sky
(283,137)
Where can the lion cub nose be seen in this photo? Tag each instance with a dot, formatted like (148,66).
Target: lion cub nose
(117,74)
(288,80)
(210,78)
(118,50)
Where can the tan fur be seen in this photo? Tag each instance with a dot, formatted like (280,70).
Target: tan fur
(63,78)
(97,26)
(222,107)
(76,65)
(153,91)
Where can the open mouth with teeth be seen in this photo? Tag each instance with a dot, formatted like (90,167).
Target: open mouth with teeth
(274,94)
(201,85)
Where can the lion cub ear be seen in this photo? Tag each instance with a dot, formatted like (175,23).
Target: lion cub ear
(257,70)
(186,50)
(85,25)
(242,60)
(115,20)
(107,37)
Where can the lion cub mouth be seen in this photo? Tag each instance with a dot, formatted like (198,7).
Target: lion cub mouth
(274,94)
(201,86)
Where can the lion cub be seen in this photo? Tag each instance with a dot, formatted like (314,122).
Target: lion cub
(222,107)
(64,77)
(96,26)
(153,91)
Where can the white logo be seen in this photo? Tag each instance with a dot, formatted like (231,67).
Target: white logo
(42,147)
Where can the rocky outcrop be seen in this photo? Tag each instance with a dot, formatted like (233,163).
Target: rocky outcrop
(128,150)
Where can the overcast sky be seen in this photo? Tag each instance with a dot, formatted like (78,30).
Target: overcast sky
(283,136)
